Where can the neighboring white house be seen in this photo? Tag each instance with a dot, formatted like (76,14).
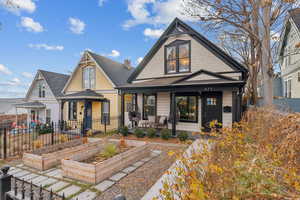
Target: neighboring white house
(289,55)
(7,106)
(41,99)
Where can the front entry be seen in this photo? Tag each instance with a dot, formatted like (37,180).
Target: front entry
(211,108)
(88,117)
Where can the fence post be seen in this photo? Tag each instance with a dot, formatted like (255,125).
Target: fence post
(52,133)
(5,182)
(5,144)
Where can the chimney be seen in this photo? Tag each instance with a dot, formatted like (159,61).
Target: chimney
(127,64)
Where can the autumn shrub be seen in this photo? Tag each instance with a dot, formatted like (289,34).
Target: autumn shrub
(37,144)
(183,136)
(165,134)
(151,132)
(109,150)
(258,158)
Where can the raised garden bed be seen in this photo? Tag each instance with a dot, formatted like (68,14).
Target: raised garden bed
(76,167)
(50,156)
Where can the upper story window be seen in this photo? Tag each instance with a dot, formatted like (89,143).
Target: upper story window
(42,90)
(178,57)
(89,78)
(288,88)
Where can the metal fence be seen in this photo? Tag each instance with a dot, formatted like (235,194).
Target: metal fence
(16,140)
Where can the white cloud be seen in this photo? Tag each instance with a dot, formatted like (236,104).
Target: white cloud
(46,47)
(156,12)
(27,75)
(77,26)
(16,6)
(101,2)
(153,33)
(31,25)
(4,70)
(114,53)
(139,60)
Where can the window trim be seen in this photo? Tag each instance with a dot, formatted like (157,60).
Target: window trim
(83,78)
(177,43)
(143,105)
(102,112)
(197,107)
(72,103)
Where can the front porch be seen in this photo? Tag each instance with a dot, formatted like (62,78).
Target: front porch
(86,110)
(192,108)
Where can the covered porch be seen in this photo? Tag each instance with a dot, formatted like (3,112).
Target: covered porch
(36,113)
(163,103)
(86,110)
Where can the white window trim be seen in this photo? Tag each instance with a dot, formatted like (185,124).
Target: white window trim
(91,85)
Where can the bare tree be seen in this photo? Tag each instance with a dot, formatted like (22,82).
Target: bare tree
(254,20)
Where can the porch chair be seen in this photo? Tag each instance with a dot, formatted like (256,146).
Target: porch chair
(151,121)
(162,122)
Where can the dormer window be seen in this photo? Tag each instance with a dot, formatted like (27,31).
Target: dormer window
(89,78)
(178,57)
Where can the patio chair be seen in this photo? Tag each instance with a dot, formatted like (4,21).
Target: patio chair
(151,121)
(162,122)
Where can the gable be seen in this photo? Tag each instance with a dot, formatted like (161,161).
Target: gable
(75,83)
(204,54)
(33,92)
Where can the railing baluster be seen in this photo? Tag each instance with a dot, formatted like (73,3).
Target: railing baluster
(23,189)
(16,187)
(31,191)
(41,193)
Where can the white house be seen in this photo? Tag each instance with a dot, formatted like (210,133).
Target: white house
(41,100)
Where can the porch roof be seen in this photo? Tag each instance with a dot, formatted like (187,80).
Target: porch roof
(35,104)
(86,94)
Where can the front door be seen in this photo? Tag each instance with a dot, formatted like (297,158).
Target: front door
(88,117)
(211,108)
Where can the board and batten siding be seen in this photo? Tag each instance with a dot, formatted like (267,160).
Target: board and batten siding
(227,101)
(201,58)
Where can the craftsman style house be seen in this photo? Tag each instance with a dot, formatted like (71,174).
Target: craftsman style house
(289,55)
(185,81)
(42,98)
(89,96)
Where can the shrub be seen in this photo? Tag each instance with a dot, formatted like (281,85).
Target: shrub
(183,136)
(37,144)
(109,150)
(151,132)
(139,133)
(257,158)
(165,134)
(124,130)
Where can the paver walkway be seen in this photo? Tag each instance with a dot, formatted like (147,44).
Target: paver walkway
(52,179)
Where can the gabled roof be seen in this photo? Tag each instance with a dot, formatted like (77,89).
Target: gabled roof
(34,104)
(86,94)
(179,27)
(55,81)
(117,72)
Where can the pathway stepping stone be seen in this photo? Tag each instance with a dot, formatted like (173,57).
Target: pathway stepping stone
(28,177)
(47,171)
(117,176)
(155,153)
(48,181)
(146,159)
(57,186)
(20,165)
(16,170)
(21,173)
(39,179)
(55,173)
(70,190)
(104,185)
(86,195)
(138,164)
(129,169)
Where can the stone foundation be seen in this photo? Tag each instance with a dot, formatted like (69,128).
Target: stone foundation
(95,173)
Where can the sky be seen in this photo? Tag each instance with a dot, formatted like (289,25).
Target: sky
(52,34)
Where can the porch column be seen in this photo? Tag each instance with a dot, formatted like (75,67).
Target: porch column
(122,109)
(173,113)
(62,110)
(84,117)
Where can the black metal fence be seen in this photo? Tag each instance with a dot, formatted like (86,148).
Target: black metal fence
(14,140)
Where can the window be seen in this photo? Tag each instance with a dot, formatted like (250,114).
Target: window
(288,88)
(211,101)
(187,107)
(105,112)
(177,57)
(149,105)
(89,78)
(72,110)
(130,102)
(42,91)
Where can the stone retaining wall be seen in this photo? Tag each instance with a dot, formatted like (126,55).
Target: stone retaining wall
(95,173)
(48,160)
